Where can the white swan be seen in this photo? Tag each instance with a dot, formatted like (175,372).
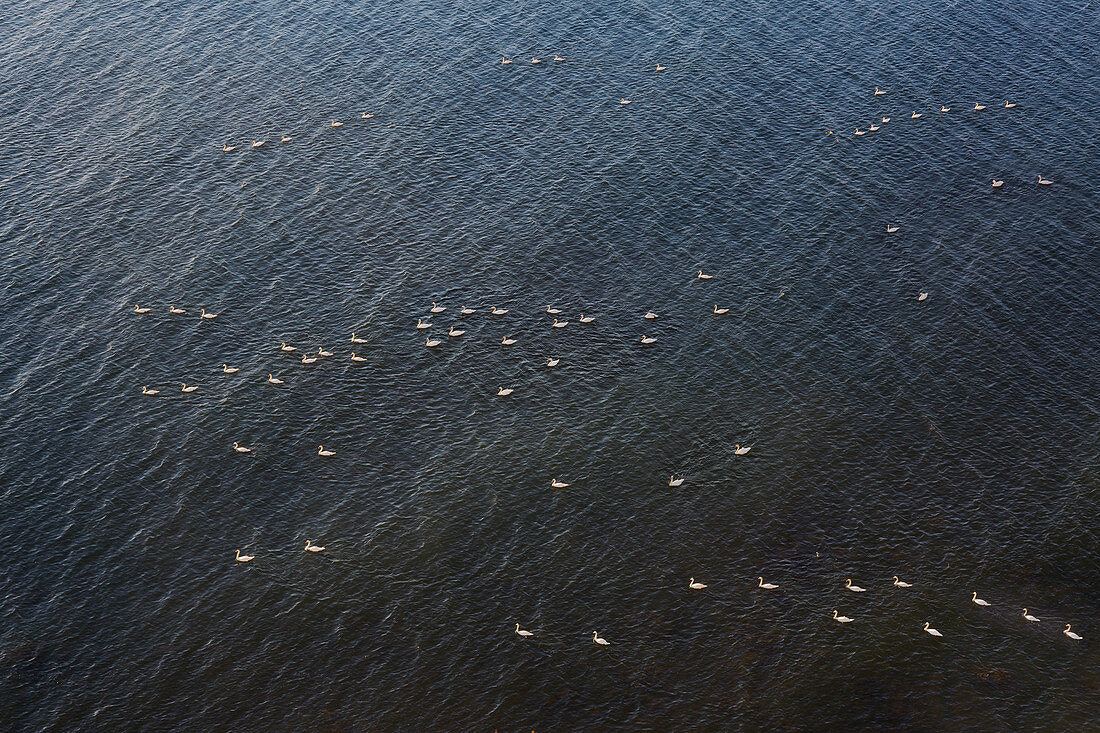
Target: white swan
(923,296)
(244,558)
(558,58)
(431,343)
(552,310)
(874,128)
(997,184)
(146,390)
(648,339)
(272,379)
(661,68)
(696,586)
(673,481)
(207,316)
(1044,181)
(322,452)
(878,92)
(739,451)
(979,601)
(309,359)
(1009,105)
(187,389)
(228,148)
(933,632)
(422,325)
(507,341)
(853,588)
(761,584)
(284,139)
(650,316)
(552,362)
(901,583)
(356,358)
(240,448)
(1031,618)
(841,619)
(521,632)
(979,107)
(915,116)
(505,61)
(885,120)
(560,324)
(139,309)
(859,132)
(891,228)
(175,310)
(453,333)
(226,369)
(1070,634)
(554,483)
(586,319)
(944,109)
(502,392)
(258,144)
(322,352)
(356,340)
(624,100)
(466,311)
(535,60)
(437,308)
(284,347)
(334,123)
(498,311)
(313,548)
(720,311)
(367,115)
(597,640)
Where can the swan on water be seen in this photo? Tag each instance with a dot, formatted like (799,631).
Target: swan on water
(174,309)
(322,452)
(841,619)
(437,308)
(554,483)
(185,388)
(498,311)
(853,588)
(229,370)
(739,451)
(431,343)
(244,558)
(879,92)
(505,61)
(356,340)
(367,115)
(1070,634)
(978,601)
(535,60)
(313,548)
(901,583)
(560,324)
(207,316)
(552,310)
(885,120)
(501,391)
(650,316)
(648,340)
(997,184)
(284,347)
(915,116)
(695,586)
(240,448)
(922,296)
(859,132)
(673,481)
(422,325)
(1044,181)
(466,311)
(273,379)
(139,309)
(1031,618)
(624,100)
(891,228)
(661,68)
(874,128)
(761,584)
(1009,105)
(979,107)
(552,362)
(322,352)
(586,319)
(455,333)
(507,341)
(356,358)
(309,359)
(284,139)
(597,640)
(933,632)
(558,58)
(521,632)
(258,143)
(228,148)
(146,390)
(701,276)
(944,109)
(334,123)
(720,311)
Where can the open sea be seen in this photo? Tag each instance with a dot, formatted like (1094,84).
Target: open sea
(953,441)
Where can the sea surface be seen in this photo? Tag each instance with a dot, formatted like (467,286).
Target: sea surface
(953,442)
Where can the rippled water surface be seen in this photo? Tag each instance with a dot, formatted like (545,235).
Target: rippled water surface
(952,442)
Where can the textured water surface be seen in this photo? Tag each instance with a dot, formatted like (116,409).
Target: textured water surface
(952,442)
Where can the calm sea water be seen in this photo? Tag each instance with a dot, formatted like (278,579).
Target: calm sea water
(952,442)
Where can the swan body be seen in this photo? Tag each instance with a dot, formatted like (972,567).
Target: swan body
(505,341)
(498,311)
(356,340)
(313,548)
(649,339)
(139,309)
(502,392)
(207,316)
(356,358)
(322,352)
(560,324)
(761,584)
(739,451)
(334,123)
(226,369)
(432,343)
(1031,618)
(650,316)
(240,448)
(309,359)
(175,310)
(891,228)
(696,586)
(1067,632)
(558,484)
(922,297)
(244,558)
(1044,181)
(979,107)
(997,184)
(901,583)
(455,333)
(841,619)
(673,481)
(322,452)
(552,362)
(720,311)
(586,319)
(521,632)
(978,601)
(146,390)
(597,640)
(552,310)
(284,347)
(187,389)
(272,379)
(437,308)
(853,588)
(228,148)
(422,325)
(933,632)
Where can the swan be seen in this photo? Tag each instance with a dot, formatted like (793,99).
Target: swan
(175,310)
(258,144)
(720,311)
(505,61)
(502,392)
(979,601)
(356,340)
(560,324)
(240,448)
(558,58)
(552,362)
(891,228)
(521,632)
(859,133)
(229,370)
(367,115)
(624,100)
(761,584)
(554,483)
(650,316)
(597,640)
(466,311)
(885,120)
(1067,632)
(437,308)
(997,184)
(284,347)
(1009,105)
(272,379)
(244,558)
(915,116)
(739,451)
(874,128)
(648,340)
(673,481)
(422,325)
(696,586)
(552,310)
(430,342)
(701,276)
(334,123)
(853,588)
(207,316)
(309,359)
(1031,618)
(922,297)
(1044,181)
(879,92)
(187,389)
(498,311)
(453,333)
(228,148)
(356,358)
(933,632)
(944,109)
(979,107)
(535,60)
(313,548)
(139,309)
(322,452)
(901,583)
(586,319)
(322,352)
(146,390)
(841,619)
(284,139)
(507,341)
(661,68)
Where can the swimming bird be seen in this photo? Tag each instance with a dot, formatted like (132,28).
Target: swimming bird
(207,316)
(560,324)
(997,184)
(1031,618)
(139,309)
(891,228)
(673,481)
(1009,105)
(701,276)
(761,584)
(650,316)
(624,100)
(505,61)
(1044,181)
(431,343)
(453,333)
(552,310)
(696,586)
(334,123)
(356,358)
(739,451)
(322,352)
(944,109)
(507,341)
(874,128)
(859,133)
(244,558)
(661,68)
(498,311)
(313,548)
(720,311)
(922,297)
(240,448)
(285,139)
(933,632)
(841,619)
(552,362)
(901,583)
(228,148)
(885,120)
(174,309)
(554,483)
(437,308)
(356,340)
(558,58)
(853,588)
(979,107)
(258,144)
(284,347)
(422,325)
(879,92)
(597,640)
(648,340)
(502,392)
(521,632)
(309,359)
(187,389)
(535,60)
(979,601)
(272,379)
(146,390)
(322,452)
(229,370)
(586,319)
(466,311)
(915,115)
(1070,634)
(367,115)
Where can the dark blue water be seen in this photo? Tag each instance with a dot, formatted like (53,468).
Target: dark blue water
(952,442)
